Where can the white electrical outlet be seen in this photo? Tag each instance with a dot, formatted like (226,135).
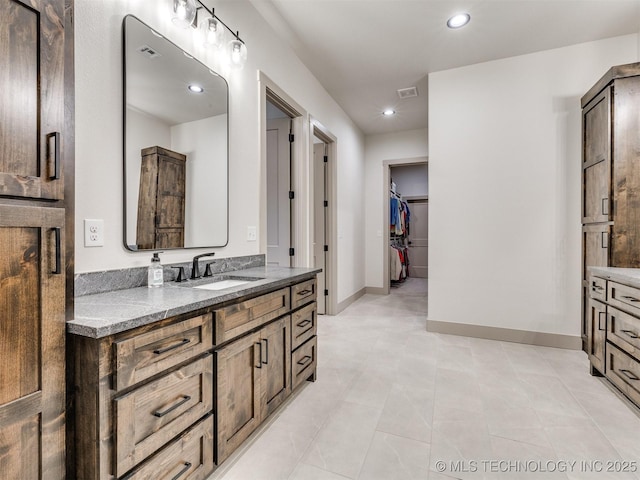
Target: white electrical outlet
(252,234)
(93,233)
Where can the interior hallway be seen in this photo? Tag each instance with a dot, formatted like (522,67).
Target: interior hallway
(391,400)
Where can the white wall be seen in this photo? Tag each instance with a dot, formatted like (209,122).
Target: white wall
(504,182)
(99,132)
(146,131)
(390,146)
(205,144)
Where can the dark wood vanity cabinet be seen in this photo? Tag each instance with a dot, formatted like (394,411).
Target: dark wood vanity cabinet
(610,176)
(174,398)
(33,260)
(161,200)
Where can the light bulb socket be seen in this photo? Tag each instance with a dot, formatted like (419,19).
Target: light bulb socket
(183,12)
(237,53)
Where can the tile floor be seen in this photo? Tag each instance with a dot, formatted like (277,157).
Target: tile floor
(393,401)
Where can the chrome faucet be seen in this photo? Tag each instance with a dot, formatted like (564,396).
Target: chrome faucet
(195,269)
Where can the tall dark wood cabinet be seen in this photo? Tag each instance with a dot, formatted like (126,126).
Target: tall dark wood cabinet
(33,249)
(610,180)
(161,199)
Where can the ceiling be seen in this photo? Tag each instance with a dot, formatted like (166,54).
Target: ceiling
(363,51)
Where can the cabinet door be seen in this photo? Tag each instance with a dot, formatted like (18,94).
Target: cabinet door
(238,393)
(596,333)
(32,342)
(170,203)
(31,98)
(276,362)
(596,125)
(595,245)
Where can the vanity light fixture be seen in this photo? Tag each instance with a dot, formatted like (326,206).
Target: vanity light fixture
(459,20)
(193,88)
(211,29)
(389,112)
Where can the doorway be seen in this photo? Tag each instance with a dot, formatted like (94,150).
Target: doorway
(405,224)
(323,229)
(279,198)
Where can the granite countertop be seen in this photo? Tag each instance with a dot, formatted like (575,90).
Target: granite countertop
(626,276)
(107,313)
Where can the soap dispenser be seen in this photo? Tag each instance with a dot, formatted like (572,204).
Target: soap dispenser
(155,275)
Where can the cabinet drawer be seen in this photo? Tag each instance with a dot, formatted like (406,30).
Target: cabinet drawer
(304,325)
(598,288)
(624,297)
(189,457)
(624,372)
(152,415)
(303,293)
(624,330)
(237,319)
(145,355)
(304,361)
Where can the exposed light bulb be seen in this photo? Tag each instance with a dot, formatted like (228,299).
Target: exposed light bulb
(195,88)
(183,12)
(237,54)
(459,20)
(389,112)
(212,32)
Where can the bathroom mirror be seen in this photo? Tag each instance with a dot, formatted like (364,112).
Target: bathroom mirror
(175,145)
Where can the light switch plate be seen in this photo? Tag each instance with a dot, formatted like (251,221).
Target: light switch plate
(252,234)
(93,233)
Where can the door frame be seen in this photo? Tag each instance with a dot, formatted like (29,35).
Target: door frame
(269,90)
(386,181)
(331,260)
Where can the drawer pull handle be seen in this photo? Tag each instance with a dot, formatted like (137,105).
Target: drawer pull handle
(57,269)
(630,333)
(304,360)
(303,323)
(600,321)
(597,288)
(604,239)
(259,365)
(631,299)
(266,349)
(159,414)
(306,291)
(54,152)
(629,375)
(182,342)
(605,206)
(184,470)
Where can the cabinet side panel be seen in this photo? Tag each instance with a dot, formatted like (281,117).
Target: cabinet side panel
(625,248)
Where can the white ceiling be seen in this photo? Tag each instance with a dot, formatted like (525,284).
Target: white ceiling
(362,51)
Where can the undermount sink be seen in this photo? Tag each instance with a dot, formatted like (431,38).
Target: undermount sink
(223,283)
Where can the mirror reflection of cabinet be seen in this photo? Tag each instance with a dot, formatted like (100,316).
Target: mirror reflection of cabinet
(161,199)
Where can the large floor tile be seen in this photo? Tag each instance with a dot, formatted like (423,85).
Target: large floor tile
(395,458)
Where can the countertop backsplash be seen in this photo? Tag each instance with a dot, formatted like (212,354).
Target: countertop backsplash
(110,280)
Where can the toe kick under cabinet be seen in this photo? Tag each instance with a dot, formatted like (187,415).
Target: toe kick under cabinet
(174,398)
(613,333)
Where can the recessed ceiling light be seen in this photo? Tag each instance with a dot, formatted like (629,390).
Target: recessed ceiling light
(388,112)
(195,88)
(459,20)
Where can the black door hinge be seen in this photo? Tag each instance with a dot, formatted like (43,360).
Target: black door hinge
(326,203)
(326,293)
(326,159)
(291,137)
(326,248)
(291,252)
(291,195)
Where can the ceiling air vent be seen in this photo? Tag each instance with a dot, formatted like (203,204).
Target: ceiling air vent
(148,52)
(408,92)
